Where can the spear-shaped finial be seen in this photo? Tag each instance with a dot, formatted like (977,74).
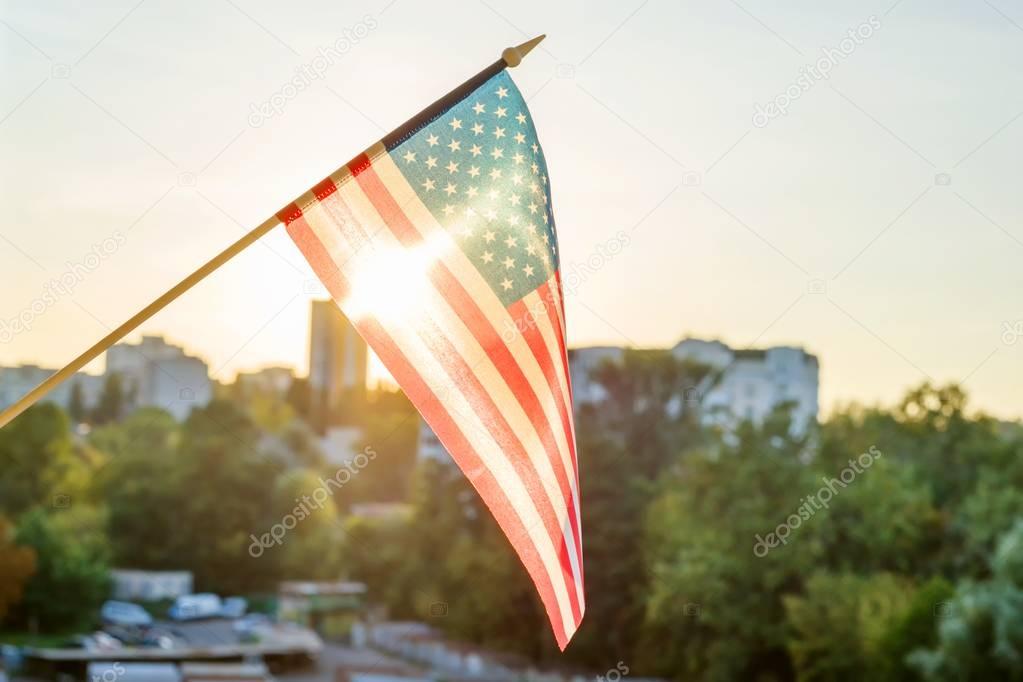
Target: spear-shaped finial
(513,56)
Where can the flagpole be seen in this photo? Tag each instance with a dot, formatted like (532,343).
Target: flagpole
(510,57)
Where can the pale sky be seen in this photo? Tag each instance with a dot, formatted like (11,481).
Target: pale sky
(894,183)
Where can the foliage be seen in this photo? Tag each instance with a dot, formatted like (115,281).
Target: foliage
(17,564)
(72,568)
(36,455)
(111,404)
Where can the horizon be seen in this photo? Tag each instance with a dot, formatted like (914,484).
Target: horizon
(856,224)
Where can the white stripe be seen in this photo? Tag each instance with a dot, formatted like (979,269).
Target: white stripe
(499,318)
(402,330)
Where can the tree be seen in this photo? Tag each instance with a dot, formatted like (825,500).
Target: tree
(72,572)
(981,636)
(17,564)
(111,401)
(915,629)
(838,625)
(141,485)
(36,455)
(76,404)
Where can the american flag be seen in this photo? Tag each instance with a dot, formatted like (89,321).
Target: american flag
(438,243)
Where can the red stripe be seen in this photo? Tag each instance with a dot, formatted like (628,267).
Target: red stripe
(534,339)
(468,311)
(445,427)
(359,164)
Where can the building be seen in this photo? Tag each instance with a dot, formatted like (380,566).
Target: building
(155,373)
(338,365)
(428,446)
(132,585)
(276,380)
(17,381)
(742,384)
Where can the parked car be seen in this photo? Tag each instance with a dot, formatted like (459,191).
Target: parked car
(124,613)
(195,607)
(234,607)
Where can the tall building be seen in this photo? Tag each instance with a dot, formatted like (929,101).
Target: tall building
(155,373)
(338,365)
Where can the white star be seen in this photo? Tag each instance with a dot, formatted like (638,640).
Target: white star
(531,249)
(489,236)
(479,108)
(470,212)
(488,257)
(514,199)
(472,191)
(498,132)
(428,184)
(520,117)
(506,283)
(490,214)
(528,270)
(513,219)
(533,207)
(508,263)
(455,123)
(477,129)
(520,138)
(466,231)
(476,150)
(432,140)
(510,242)
(410,156)
(448,209)
(495,174)
(517,179)
(455,145)
(431,162)
(519,158)
(493,194)
(450,189)
(502,92)
(536,169)
(497,153)
(501,112)
(535,148)
(474,171)
(452,167)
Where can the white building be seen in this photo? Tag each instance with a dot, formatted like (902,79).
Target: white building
(742,384)
(157,374)
(750,384)
(17,381)
(134,585)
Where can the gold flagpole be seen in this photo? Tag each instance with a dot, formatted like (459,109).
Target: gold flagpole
(510,57)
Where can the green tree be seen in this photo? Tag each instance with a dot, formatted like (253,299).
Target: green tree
(111,401)
(76,404)
(72,570)
(917,628)
(839,622)
(981,637)
(36,455)
(17,564)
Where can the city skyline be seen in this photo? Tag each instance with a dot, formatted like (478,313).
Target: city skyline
(856,223)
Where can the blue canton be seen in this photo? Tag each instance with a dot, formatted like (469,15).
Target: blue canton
(481,172)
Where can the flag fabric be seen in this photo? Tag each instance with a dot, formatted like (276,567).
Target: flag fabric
(439,245)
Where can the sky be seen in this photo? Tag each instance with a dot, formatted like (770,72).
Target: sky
(762,177)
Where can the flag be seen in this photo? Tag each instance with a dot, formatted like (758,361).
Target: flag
(438,243)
